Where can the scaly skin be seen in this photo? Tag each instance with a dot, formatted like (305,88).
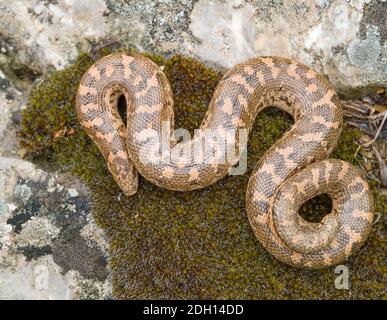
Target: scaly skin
(291,172)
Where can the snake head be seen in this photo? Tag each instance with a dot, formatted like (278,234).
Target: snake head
(126,178)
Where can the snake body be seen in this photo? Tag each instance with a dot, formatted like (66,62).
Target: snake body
(292,171)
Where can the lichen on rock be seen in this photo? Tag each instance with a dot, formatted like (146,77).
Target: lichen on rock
(38,36)
(38,216)
(344,40)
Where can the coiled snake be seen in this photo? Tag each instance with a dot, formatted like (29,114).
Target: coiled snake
(292,171)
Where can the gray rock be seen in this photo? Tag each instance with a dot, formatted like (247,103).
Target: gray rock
(10,103)
(50,247)
(343,39)
(322,34)
(44,34)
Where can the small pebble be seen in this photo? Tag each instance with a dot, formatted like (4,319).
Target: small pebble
(72,192)
(12,207)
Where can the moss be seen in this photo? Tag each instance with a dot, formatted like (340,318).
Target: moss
(50,110)
(166,244)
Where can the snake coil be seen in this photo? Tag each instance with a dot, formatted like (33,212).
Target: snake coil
(292,171)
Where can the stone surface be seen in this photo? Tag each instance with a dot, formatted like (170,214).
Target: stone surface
(10,104)
(50,247)
(323,34)
(43,34)
(346,40)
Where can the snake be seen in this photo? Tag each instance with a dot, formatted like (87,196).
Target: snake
(295,169)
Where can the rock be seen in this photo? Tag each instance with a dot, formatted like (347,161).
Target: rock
(10,104)
(322,34)
(50,247)
(158,26)
(44,34)
(343,39)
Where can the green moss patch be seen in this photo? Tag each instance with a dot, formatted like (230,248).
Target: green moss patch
(199,244)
